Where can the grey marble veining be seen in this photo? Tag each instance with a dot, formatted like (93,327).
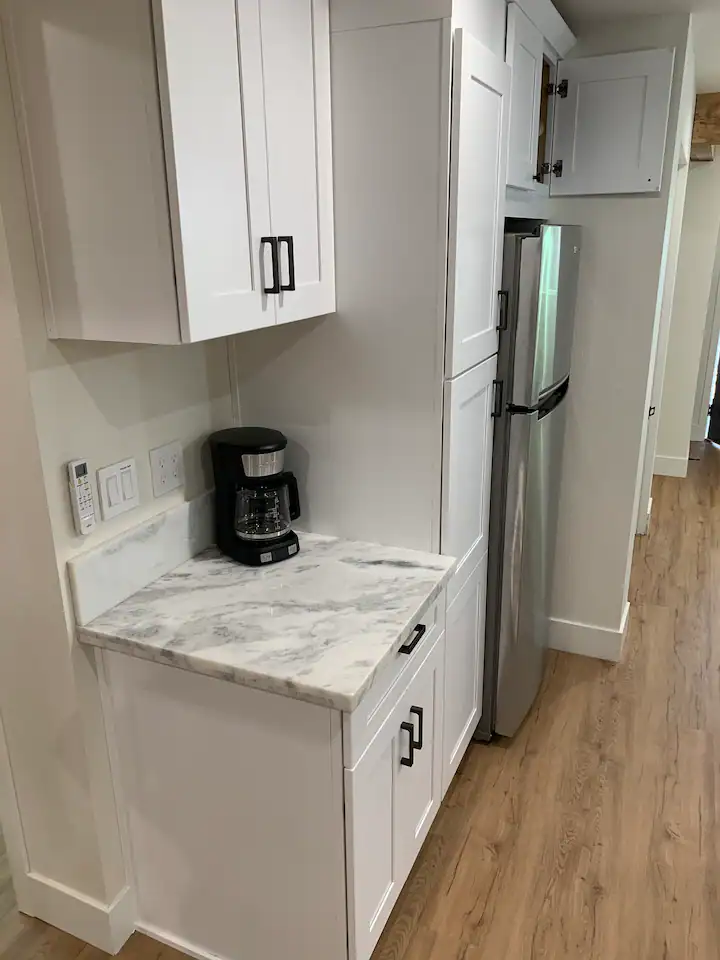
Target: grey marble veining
(104,576)
(316,627)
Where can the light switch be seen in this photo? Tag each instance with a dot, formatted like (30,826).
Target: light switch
(113,489)
(118,488)
(126,480)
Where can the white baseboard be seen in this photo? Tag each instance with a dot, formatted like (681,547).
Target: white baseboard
(698,432)
(184,946)
(602,643)
(671,466)
(104,926)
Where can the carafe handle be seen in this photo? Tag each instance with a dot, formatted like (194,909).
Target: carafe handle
(294,496)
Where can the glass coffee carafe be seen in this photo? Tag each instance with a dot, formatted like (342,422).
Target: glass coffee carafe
(264,512)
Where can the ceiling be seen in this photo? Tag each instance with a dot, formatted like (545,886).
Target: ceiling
(575,11)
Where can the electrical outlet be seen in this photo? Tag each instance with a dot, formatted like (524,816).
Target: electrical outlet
(166,468)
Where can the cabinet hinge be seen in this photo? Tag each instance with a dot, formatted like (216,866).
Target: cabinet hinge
(558,89)
(557,169)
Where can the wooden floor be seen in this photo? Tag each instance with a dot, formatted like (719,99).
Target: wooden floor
(594,833)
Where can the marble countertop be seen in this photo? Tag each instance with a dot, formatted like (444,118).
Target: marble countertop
(316,627)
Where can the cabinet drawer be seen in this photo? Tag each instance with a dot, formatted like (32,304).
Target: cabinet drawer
(391,798)
(360,726)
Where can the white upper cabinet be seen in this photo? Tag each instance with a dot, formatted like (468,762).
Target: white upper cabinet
(217,169)
(178,163)
(611,123)
(525,57)
(481,91)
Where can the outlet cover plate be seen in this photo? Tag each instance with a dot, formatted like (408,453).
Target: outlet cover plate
(118,488)
(166,468)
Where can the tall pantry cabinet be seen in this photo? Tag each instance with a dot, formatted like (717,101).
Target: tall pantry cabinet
(389,405)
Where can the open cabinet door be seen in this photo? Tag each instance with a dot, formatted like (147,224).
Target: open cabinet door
(611,118)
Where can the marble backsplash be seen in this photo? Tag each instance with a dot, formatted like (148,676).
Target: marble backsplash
(105,576)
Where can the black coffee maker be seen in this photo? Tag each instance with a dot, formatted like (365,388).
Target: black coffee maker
(255,498)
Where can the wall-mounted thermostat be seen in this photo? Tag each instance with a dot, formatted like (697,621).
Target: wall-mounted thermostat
(81,496)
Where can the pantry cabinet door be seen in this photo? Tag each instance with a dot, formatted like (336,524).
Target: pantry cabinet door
(480,114)
(467,468)
(464,667)
(524,55)
(610,127)
(213,120)
(296,77)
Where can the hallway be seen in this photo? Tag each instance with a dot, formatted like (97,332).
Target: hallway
(593,834)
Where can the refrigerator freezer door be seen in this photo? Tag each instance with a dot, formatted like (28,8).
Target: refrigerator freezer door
(556,285)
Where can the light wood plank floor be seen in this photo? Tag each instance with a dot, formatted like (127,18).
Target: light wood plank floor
(594,833)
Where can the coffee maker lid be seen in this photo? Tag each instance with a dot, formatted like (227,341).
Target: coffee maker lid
(250,439)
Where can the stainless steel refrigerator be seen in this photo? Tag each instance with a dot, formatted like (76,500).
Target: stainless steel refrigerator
(540,274)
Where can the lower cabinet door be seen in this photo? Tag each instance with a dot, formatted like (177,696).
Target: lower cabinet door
(464,664)
(391,798)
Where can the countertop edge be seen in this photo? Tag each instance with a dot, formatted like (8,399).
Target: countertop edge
(337,700)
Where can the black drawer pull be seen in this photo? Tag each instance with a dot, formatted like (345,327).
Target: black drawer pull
(410,730)
(419,713)
(418,634)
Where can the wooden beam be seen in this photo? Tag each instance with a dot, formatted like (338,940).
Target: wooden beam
(707,118)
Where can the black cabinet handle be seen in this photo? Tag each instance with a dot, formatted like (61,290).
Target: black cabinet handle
(419,713)
(273,241)
(504,298)
(497,403)
(409,729)
(288,241)
(417,636)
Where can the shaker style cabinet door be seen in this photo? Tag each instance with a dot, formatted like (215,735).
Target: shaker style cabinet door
(391,798)
(467,467)
(464,665)
(213,117)
(525,56)
(295,36)
(480,114)
(611,127)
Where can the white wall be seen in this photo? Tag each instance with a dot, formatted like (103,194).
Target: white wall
(105,403)
(624,247)
(693,313)
(690,311)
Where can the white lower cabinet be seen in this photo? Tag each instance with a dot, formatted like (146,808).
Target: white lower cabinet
(464,663)
(391,798)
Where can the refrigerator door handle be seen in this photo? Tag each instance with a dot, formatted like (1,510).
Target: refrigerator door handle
(546,404)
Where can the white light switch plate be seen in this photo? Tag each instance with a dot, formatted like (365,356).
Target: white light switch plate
(118,488)
(166,468)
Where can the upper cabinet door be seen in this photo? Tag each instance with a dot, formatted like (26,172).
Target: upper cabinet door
(524,55)
(481,91)
(296,78)
(611,125)
(213,117)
